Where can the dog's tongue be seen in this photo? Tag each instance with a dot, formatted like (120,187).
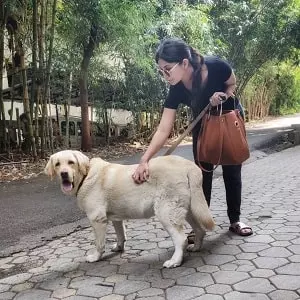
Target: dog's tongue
(67,186)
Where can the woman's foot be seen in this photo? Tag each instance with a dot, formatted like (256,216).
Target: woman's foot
(240,228)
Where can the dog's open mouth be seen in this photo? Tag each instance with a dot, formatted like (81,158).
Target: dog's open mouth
(67,185)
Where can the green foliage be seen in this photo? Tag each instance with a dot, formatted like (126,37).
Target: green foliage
(255,36)
(191,23)
(287,97)
(250,34)
(260,92)
(76,19)
(274,89)
(255,32)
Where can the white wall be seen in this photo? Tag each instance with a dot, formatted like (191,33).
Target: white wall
(7,106)
(118,117)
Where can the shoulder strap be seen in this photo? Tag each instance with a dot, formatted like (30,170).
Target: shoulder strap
(188,130)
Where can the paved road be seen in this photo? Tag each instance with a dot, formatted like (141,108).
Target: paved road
(260,135)
(264,266)
(33,211)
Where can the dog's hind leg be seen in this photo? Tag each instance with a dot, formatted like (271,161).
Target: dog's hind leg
(174,227)
(199,234)
(179,239)
(99,225)
(121,236)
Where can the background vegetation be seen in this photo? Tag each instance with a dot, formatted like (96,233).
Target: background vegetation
(103,52)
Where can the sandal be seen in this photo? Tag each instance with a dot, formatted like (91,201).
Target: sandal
(191,237)
(240,229)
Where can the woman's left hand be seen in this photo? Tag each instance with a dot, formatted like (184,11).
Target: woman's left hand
(217,98)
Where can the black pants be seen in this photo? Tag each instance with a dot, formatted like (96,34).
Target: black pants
(233,185)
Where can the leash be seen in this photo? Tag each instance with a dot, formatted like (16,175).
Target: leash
(188,130)
(80,184)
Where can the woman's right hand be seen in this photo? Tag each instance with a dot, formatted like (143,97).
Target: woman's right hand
(141,173)
(165,126)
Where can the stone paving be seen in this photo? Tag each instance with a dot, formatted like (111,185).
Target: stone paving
(229,267)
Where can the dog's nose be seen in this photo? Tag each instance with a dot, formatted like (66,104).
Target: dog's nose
(64,175)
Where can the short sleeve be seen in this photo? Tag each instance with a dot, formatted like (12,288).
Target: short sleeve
(223,69)
(174,97)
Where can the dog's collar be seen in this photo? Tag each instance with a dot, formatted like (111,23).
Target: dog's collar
(80,184)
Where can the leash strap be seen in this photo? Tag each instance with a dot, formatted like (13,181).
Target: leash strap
(80,184)
(188,130)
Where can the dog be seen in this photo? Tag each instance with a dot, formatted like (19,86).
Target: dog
(106,191)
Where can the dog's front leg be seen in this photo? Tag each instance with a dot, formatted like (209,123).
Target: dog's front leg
(121,236)
(99,225)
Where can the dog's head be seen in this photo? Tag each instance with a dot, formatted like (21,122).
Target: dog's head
(70,166)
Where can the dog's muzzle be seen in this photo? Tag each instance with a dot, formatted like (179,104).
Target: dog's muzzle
(67,185)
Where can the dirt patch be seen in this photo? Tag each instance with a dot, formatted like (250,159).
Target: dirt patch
(19,166)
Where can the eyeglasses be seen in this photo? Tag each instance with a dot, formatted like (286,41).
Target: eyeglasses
(165,72)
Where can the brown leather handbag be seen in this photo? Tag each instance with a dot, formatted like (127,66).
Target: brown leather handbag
(222,138)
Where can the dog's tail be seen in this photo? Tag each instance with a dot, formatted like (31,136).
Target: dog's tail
(199,207)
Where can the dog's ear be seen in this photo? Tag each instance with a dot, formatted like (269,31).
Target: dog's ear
(49,169)
(83,162)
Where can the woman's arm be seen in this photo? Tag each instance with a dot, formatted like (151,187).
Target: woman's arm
(230,85)
(161,135)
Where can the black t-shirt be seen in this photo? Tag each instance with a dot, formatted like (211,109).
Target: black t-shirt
(219,72)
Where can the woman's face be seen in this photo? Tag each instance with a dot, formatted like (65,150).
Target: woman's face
(172,72)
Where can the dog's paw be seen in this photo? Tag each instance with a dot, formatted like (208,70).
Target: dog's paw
(193,248)
(117,248)
(93,257)
(171,264)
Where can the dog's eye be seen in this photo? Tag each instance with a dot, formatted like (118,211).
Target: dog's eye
(57,164)
(70,162)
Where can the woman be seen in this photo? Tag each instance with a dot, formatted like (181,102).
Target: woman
(195,81)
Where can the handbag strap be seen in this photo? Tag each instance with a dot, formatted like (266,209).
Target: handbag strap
(188,130)
(220,144)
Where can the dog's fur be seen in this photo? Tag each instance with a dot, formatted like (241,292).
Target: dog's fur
(106,191)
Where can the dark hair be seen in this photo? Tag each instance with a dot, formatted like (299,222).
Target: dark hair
(176,50)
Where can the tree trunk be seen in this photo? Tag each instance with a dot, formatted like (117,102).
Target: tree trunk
(46,92)
(34,92)
(40,72)
(2,112)
(106,126)
(86,139)
(68,105)
(50,123)
(13,73)
(40,82)
(92,120)
(26,101)
(19,129)
(12,92)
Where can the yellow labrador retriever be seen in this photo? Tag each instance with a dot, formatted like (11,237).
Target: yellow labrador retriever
(106,191)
